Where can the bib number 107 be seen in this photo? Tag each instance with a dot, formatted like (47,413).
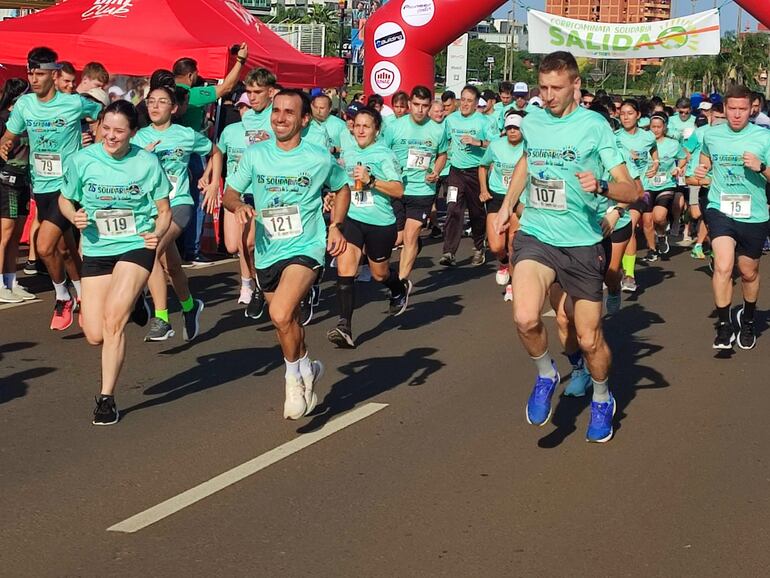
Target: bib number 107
(545,196)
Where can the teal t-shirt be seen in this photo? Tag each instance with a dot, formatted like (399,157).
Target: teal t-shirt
(177,144)
(694,144)
(607,202)
(347,140)
(287,197)
(53,128)
(315,133)
(503,156)
(670,152)
(558,211)
(416,147)
(637,148)
(232,142)
(736,190)
(476,125)
(677,127)
(257,124)
(118,196)
(370,205)
(335,127)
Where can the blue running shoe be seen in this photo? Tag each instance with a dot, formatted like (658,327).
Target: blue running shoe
(600,426)
(539,403)
(578,383)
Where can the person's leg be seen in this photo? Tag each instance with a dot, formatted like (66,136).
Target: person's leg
(194,229)
(48,237)
(455,214)
(648,229)
(347,267)
(497,243)
(233,232)
(7,227)
(70,253)
(580,379)
(629,257)
(96,290)
(531,281)
(749,270)
(476,212)
(9,253)
(614,269)
(723,248)
(295,284)
(33,229)
(677,208)
(660,219)
(412,230)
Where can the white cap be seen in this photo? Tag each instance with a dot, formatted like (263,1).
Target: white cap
(99,95)
(536,101)
(512,121)
(387,111)
(705,105)
(116,90)
(520,88)
(482,103)
(687,132)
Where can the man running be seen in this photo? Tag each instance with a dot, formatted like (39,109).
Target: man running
(52,121)
(286,176)
(560,239)
(736,154)
(420,146)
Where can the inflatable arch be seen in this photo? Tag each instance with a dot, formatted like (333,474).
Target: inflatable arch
(404,36)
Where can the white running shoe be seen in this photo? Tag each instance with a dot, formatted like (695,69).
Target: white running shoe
(20,291)
(245,296)
(294,407)
(503,276)
(508,294)
(311,399)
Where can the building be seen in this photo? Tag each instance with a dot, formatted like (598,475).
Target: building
(624,11)
(498,31)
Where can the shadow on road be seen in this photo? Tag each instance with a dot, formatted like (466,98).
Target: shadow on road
(15,385)
(628,374)
(368,378)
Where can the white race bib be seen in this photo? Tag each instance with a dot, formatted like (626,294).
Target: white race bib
(735,206)
(48,164)
(174,184)
(418,159)
(548,194)
(507,180)
(451,195)
(255,136)
(363,198)
(282,222)
(115,222)
(659,180)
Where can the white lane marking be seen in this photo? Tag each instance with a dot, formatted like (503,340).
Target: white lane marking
(211,264)
(4,306)
(238,473)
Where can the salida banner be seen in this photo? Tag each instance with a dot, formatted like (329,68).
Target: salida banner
(685,36)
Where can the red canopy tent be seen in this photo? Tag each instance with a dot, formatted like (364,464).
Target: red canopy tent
(136,37)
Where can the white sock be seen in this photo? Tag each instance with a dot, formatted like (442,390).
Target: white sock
(62,294)
(545,365)
(247,283)
(77,288)
(9,280)
(601,391)
(292,369)
(306,368)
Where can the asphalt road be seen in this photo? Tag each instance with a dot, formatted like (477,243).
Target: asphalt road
(447,480)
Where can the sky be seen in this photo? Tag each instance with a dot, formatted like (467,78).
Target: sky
(728,15)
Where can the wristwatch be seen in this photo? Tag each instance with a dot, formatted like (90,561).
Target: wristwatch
(371,182)
(604,188)
(762,168)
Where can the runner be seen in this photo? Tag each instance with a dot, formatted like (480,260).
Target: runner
(374,175)
(334,125)
(641,147)
(52,121)
(173,144)
(286,176)
(14,198)
(94,75)
(560,240)
(469,134)
(420,146)
(437,115)
(682,124)
(662,187)
(119,187)
(495,172)
(736,154)
(65,78)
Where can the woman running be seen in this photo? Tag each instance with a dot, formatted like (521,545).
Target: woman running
(495,172)
(640,148)
(374,176)
(119,188)
(173,144)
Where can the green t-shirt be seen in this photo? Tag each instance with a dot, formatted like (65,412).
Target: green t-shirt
(607,202)
(200,98)
(416,147)
(176,145)
(476,125)
(736,190)
(287,197)
(99,182)
(669,153)
(503,156)
(558,211)
(53,129)
(347,140)
(316,133)
(232,142)
(677,127)
(335,128)
(257,124)
(502,111)
(694,144)
(371,206)
(637,148)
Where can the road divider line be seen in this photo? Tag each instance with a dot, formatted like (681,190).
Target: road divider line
(238,473)
(4,306)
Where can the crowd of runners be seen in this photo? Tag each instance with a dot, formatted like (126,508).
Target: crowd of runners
(559,186)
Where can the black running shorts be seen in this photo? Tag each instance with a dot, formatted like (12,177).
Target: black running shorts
(749,237)
(378,240)
(269,278)
(98,266)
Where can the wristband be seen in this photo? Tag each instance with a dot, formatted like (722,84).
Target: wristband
(241,59)
(762,167)
(372,180)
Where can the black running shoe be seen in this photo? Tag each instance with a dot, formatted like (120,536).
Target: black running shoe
(30,268)
(399,303)
(341,337)
(106,413)
(141,313)
(661,244)
(306,309)
(447,260)
(725,336)
(256,306)
(435,233)
(747,337)
(192,320)
(651,256)
(159,330)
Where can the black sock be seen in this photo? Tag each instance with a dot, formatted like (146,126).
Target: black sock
(748,311)
(724,314)
(345,299)
(396,285)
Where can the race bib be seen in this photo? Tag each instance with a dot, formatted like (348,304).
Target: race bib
(507,180)
(418,159)
(548,194)
(282,222)
(659,180)
(735,206)
(451,195)
(115,222)
(363,198)
(255,136)
(47,164)
(174,183)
